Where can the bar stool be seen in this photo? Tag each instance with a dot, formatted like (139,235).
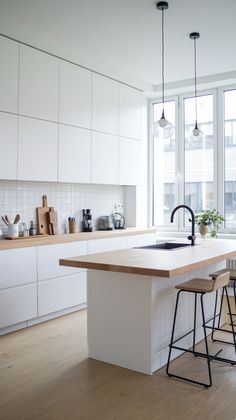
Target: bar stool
(202,286)
(232,278)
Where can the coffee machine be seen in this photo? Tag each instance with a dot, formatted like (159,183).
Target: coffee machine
(87,220)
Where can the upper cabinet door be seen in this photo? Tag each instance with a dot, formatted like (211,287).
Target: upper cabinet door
(38,84)
(75,95)
(37,150)
(105,158)
(74,154)
(105,104)
(130,112)
(130,165)
(9,53)
(8,145)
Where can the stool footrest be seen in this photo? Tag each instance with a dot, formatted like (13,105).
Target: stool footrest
(205,356)
(189,380)
(219,329)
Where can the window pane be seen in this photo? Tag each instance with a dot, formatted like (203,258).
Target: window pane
(164,169)
(199,164)
(230,158)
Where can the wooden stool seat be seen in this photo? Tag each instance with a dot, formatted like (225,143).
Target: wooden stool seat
(218,280)
(200,285)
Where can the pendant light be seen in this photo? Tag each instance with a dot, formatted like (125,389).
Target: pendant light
(195,134)
(163,128)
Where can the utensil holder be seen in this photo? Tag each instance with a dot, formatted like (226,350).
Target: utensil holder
(72,226)
(13,230)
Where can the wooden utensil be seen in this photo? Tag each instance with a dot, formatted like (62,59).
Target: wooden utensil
(4,220)
(42,219)
(7,220)
(17,219)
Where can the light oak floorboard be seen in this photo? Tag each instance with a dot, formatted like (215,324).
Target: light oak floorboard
(45,375)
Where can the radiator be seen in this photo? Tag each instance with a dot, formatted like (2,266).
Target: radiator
(231,265)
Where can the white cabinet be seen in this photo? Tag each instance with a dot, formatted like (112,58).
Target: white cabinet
(130,112)
(74,95)
(104,158)
(9,53)
(18,304)
(18,267)
(74,154)
(18,294)
(37,150)
(107,244)
(105,104)
(60,287)
(38,84)
(130,164)
(60,293)
(49,255)
(8,145)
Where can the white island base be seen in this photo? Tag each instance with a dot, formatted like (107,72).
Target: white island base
(130,317)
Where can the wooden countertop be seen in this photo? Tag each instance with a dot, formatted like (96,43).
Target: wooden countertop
(71,237)
(158,262)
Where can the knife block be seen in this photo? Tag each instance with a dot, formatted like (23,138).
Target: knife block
(72,226)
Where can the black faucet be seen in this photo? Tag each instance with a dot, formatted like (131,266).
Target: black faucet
(191,237)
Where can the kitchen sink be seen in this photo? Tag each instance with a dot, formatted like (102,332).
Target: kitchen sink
(167,246)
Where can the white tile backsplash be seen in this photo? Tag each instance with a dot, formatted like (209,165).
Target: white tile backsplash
(67,199)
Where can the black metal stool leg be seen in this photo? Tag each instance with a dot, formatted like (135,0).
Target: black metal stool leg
(172,333)
(214,316)
(231,321)
(206,344)
(221,305)
(194,321)
(234,289)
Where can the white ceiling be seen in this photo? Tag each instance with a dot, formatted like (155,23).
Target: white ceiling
(122,38)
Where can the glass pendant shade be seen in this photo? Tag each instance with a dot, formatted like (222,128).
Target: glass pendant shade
(195,134)
(163,128)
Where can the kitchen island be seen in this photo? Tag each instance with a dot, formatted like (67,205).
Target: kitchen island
(131,298)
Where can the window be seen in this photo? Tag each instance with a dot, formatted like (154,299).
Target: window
(230,159)
(198,155)
(191,172)
(164,169)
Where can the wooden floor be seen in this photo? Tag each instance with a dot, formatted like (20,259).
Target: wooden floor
(45,374)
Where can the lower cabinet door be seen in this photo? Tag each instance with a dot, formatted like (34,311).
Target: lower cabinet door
(61,293)
(18,304)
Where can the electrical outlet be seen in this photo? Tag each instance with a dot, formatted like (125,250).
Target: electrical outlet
(119,208)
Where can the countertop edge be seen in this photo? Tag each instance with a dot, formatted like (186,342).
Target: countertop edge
(71,237)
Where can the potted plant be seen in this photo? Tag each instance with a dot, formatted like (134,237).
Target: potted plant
(209,217)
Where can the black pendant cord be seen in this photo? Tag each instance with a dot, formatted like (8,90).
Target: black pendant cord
(195,78)
(163,68)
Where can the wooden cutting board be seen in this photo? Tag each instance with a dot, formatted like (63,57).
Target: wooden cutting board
(42,219)
(52,221)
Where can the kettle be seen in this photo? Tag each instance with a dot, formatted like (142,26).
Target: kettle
(118,221)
